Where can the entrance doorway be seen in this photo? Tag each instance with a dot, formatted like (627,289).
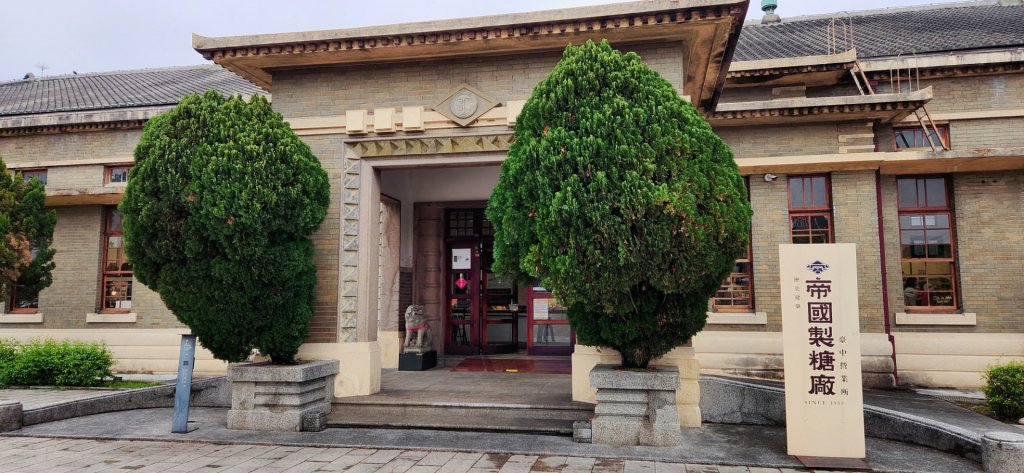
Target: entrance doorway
(488,315)
(482,310)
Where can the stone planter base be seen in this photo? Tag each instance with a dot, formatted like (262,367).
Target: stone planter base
(276,397)
(635,407)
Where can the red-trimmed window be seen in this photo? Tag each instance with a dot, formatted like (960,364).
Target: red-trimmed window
(116,174)
(22,301)
(927,243)
(810,209)
(117,270)
(914,137)
(737,291)
(28,174)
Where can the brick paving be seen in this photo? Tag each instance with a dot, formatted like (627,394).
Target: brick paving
(51,455)
(36,398)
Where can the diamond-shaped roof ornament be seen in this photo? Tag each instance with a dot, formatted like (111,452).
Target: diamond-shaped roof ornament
(465,104)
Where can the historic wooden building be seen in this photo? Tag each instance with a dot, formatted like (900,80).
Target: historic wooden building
(898,130)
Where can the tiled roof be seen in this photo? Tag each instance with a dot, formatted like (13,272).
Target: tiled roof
(882,33)
(119,89)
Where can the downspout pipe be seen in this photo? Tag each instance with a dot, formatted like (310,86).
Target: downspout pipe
(885,275)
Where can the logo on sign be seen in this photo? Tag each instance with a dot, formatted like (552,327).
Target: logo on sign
(817,267)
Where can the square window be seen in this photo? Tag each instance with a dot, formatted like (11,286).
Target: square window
(38,174)
(117,174)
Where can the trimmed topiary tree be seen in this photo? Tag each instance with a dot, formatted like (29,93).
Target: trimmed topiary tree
(217,213)
(619,197)
(26,259)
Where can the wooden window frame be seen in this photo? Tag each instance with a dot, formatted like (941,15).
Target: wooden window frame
(749,260)
(13,309)
(943,129)
(109,169)
(108,233)
(45,171)
(809,211)
(924,211)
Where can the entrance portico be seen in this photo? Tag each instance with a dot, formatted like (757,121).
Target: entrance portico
(411,122)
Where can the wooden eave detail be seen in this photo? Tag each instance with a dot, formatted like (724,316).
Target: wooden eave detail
(709,30)
(891,163)
(883,76)
(72,128)
(84,196)
(810,71)
(889,108)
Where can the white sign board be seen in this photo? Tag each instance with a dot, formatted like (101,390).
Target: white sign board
(461,258)
(821,350)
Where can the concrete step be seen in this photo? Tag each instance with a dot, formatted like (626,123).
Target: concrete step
(483,417)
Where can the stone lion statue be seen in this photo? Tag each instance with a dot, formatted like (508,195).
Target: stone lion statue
(417,328)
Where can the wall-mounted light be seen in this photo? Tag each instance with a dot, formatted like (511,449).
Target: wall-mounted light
(770,177)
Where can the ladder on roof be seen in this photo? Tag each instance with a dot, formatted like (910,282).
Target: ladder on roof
(840,37)
(912,77)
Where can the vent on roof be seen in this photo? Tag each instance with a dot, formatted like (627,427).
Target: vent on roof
(768,7)
(29,76)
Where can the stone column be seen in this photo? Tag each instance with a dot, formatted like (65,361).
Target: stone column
(636,407)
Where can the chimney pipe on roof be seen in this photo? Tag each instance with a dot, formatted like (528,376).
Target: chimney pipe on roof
(768,7)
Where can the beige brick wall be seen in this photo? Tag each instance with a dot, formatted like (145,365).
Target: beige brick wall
(855,212)
(969,94)
(116,145)
(327,240)
(321,92)
(768,141)
(990,243)
(989,133)
(75,289)
(72,177)
(770,226)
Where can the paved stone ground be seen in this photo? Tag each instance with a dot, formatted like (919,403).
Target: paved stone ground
(49,455)
(714,444)
(36,398)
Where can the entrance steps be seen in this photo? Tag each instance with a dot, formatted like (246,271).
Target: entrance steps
(366,412)
(469,401)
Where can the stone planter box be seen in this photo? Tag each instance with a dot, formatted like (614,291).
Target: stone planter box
(635,407)
(277,397)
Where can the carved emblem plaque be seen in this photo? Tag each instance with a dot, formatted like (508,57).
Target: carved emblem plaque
(465,104)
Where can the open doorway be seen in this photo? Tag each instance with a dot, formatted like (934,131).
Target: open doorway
(447,248)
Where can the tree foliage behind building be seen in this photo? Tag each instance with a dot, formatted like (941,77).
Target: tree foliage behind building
(26,258)
(619,197)
(217,214)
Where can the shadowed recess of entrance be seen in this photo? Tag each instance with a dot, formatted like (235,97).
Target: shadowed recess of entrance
(499,365)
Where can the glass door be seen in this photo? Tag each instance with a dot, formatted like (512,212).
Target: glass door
(500,330)
(548,331)
(463,288)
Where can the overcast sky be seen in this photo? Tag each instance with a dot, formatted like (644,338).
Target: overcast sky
(60,36)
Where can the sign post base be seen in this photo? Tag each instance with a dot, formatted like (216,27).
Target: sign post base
(831,463)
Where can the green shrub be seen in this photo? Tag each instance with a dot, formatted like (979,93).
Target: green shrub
(217,213)
(1004,390)
(56,363)
(26,258)
(8,351)
(618,196)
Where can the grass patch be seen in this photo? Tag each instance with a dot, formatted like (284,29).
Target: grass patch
(129,384)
